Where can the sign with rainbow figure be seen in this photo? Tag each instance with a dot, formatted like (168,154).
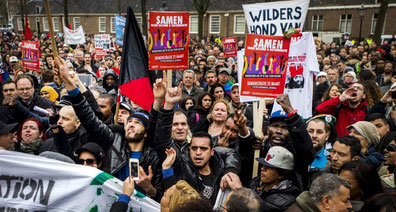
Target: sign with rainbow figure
(168,40)
(265,65)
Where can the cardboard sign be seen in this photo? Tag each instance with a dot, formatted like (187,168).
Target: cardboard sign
(30,55)
(102,44)
(230,47)
(119,28)
(74,37)
(168,40)
(265,65)
(274,18)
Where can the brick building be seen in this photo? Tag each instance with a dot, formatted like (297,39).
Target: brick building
(223,18)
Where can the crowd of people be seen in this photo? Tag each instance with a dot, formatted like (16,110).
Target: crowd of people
(198,137)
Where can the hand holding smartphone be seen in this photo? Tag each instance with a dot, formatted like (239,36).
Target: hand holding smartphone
(134,168)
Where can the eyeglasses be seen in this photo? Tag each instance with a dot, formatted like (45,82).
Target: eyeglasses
(391,148)
(8,90)
(88,161)
(358,88)
(24,89)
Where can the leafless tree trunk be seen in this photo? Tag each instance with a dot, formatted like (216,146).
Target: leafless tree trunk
(380,21)
(144,17)
(66,11)
(201,6)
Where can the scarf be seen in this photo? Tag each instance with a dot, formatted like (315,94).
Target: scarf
(30,147)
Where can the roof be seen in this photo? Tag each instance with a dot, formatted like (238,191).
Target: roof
(112,6)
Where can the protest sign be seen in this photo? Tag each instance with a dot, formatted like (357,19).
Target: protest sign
(119,28)
(274,18)
(230,47)
(74,37)
(30,55)
(168,40)
(265,64)
(34,183)
(102,44)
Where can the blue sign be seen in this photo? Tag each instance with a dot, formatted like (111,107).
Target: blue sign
(119,28)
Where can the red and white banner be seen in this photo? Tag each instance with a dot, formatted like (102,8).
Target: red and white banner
(102,44)
(168,40)
(230,47)
(30,55)
(265,65)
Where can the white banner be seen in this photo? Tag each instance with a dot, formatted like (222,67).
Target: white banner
(273,18)
(74,37)
(34,183)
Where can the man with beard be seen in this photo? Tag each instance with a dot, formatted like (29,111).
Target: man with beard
(319,131)
(348,108)
(198,163)
(120,147)
(211,79)
(289,131)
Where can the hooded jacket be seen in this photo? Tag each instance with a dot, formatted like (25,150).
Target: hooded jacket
(304,203)
(115,84)
(345,115)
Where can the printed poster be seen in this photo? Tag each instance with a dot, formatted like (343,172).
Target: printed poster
(265,65)
(274,18)
(119,28)
(102,44)
(168,40)
(30,55)
(230,47)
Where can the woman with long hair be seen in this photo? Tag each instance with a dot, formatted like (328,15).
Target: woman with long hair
(197,116)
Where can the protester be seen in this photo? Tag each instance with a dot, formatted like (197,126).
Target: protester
(345,150)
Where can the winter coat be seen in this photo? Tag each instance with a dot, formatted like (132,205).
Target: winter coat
(37,101)
(304,203)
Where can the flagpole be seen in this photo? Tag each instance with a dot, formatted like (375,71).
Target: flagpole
(258,111)
(169,78)
(117,110)
(51,28)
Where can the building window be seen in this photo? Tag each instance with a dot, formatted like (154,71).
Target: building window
(139,21)
(55,22)
(214,27)
(194,24)
(239,24)
(102,24)
(374,23)
(346,23)
(45,24)
(19,22)
(38,24)
(112,25)
(317,22)
(76,22)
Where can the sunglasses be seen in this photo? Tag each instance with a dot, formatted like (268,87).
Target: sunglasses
(88,161)
(391,148)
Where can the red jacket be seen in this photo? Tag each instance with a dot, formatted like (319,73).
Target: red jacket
(346,115)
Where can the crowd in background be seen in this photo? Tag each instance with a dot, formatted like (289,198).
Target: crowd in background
(198,138)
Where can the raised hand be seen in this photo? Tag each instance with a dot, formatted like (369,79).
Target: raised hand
(144,181)
(128,186)
(64,73)
(387,98)
(173,96)
(170,158)
(284,101)
(230,180)
(159,87)
(224,141)
(348,94)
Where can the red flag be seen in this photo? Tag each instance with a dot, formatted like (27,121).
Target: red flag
(135,79)
(28,33)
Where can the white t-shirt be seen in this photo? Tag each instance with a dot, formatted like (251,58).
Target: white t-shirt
(302,65)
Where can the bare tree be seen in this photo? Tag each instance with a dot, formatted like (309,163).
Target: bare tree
(201,6)
(66,12)
(380,20)
(144,17)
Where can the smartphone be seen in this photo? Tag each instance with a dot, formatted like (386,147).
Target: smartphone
(134,168)
(393,94)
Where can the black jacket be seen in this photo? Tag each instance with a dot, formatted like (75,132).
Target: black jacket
(300,145)
(277,199)
(224,160)
(197,120)
(115,84)
(37,101)
(118,149)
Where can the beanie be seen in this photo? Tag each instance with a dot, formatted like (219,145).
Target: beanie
(142,117)
(53,94)
(368,131)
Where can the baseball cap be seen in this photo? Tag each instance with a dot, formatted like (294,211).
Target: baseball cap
(13,59)
(234,85)
(224,70)
(5,128)
(322,74)
(108,57)
(124,105)
(93,148)
(278,115)
(278,157)
(142,117)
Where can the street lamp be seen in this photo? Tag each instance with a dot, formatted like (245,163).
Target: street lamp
(361,14)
